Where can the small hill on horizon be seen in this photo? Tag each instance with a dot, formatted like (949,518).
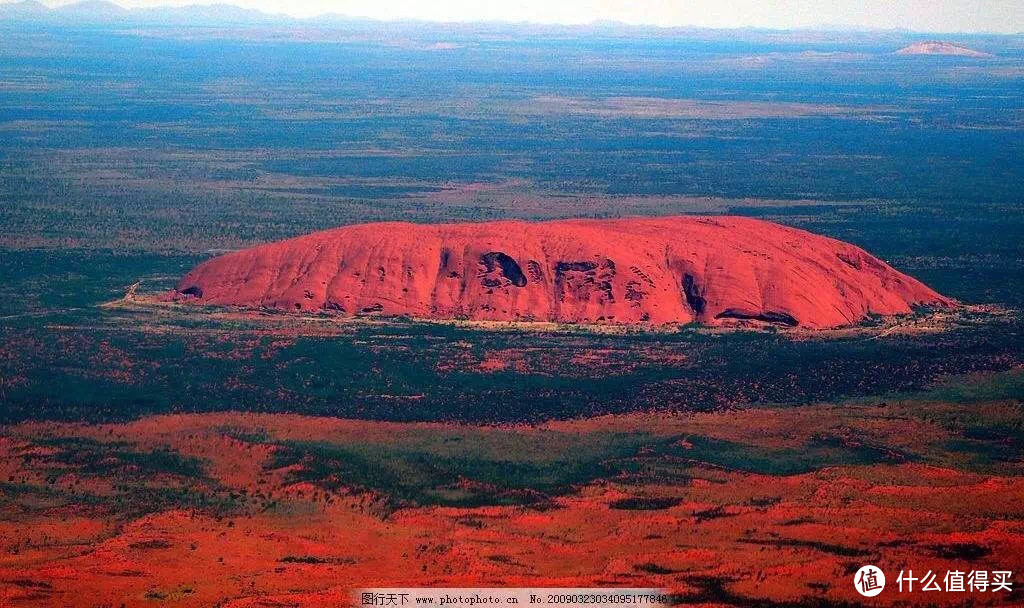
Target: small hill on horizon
(938,47)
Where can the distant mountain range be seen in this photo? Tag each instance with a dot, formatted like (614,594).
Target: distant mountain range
(102,12)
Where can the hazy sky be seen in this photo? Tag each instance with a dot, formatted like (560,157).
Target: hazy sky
(1005,16)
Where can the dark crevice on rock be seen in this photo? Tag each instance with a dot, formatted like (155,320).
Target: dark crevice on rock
(564,267)
(334,306)
(694,299)
(510,269)
(766,316)
(533,268)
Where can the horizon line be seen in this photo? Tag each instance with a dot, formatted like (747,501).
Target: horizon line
(52,7)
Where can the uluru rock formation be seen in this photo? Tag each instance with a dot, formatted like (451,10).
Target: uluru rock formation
(938,47)
(716,270)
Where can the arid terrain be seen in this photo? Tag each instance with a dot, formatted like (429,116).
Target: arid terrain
(746,507)
(805,358)
(700,484)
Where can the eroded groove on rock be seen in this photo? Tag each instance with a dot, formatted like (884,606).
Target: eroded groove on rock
(509,268)
(693,297)
(767,316)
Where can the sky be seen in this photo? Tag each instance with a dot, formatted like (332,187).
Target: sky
(1001,16)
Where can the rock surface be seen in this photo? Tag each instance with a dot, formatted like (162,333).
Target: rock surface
(936,47)
(715,270)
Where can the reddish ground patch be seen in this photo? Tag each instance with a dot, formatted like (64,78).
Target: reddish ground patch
(718,536)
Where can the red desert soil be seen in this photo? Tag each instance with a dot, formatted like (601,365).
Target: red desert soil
(716,270)
(765,540)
